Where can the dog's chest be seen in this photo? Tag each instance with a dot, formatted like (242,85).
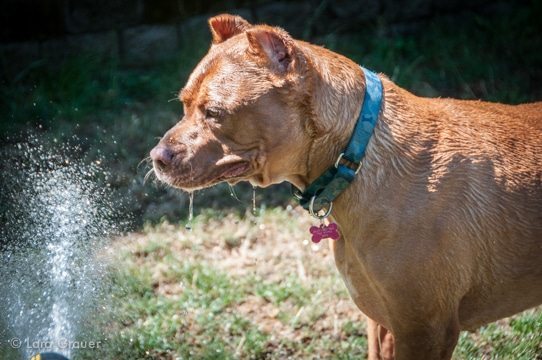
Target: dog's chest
(358,283)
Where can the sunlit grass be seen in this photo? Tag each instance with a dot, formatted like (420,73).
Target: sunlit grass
(192,295)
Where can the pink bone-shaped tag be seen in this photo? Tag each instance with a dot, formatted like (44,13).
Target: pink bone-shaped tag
(324,232)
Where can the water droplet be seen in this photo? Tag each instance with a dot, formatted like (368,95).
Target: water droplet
(233,194)
(188,225)
(59,218)
(254,210)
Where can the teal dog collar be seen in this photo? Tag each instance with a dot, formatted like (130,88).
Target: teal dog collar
(322,191)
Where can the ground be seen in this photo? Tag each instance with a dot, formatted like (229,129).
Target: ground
(252,288)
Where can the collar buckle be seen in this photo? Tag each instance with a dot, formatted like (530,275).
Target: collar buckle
(356,171)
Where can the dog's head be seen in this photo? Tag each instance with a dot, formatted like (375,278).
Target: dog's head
(245,109)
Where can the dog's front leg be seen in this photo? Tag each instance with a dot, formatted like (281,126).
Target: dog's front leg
(380,342)
(415,340)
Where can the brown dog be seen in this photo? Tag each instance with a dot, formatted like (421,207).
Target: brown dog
(441,229)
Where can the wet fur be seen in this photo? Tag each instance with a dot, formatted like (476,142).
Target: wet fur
(442,228)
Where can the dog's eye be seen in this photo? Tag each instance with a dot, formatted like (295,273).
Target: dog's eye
(212,113)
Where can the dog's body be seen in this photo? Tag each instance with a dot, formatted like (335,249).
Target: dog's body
(441,229)
(449,228)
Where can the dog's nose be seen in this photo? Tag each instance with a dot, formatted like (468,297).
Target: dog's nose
(161,157)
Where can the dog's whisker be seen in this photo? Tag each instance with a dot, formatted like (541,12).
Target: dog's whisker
(148,175)
(146,159)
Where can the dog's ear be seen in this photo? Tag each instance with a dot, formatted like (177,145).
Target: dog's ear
(273,44)
(225,26)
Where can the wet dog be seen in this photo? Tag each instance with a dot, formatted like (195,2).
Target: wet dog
(441,230)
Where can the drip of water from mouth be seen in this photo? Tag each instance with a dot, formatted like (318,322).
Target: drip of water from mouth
(254,210)
(233,194)
(188,225)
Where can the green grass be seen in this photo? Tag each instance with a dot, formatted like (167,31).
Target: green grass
(517,338)
(182,294)
(173,301)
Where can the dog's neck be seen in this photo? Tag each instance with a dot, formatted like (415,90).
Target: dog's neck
(335,86)
(337,89)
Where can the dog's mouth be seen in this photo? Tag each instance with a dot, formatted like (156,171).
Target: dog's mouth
(231,172)
(234,171)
